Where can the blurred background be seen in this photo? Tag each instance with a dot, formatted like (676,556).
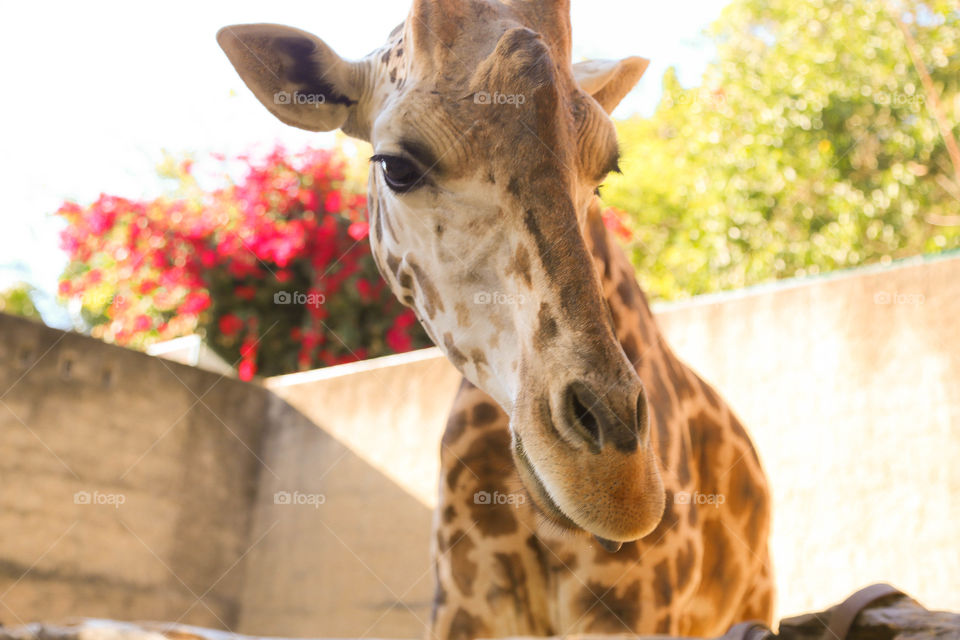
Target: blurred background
(790,198)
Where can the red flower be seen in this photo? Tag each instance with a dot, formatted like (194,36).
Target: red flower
(245,292)
(249,348)
(333,202)
(359,230)
(230,324)
(364,288)
(308,198)
(246,370)
(194,303)
(290,224)
(406,319)
(398,340)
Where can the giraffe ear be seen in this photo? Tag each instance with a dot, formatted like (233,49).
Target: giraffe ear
(608,81)
(297,77)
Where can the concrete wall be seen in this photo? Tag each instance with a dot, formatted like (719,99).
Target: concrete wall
(126,482)
(853,399)
(135,488)
(358,564)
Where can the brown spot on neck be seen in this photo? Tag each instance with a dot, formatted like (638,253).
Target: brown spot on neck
(464,569)
(613,610)
(466,627)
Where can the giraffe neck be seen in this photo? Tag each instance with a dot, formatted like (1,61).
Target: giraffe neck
(633,320)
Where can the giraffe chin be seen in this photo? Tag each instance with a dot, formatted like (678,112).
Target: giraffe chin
(547,507)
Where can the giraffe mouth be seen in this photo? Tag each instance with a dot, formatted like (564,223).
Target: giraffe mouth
(542,501)
(541,498)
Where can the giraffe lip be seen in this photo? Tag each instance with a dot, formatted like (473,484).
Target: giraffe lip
(543,502)
(610,545)
(541,498)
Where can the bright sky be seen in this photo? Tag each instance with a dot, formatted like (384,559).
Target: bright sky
(95,91)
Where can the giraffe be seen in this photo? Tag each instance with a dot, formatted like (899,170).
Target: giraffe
(590,481)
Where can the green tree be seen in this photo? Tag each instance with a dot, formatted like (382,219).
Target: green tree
(810,146)
(17,301)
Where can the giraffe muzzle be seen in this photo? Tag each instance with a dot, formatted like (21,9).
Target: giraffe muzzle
(585,458)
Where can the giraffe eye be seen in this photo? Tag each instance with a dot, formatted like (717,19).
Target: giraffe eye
(400,174)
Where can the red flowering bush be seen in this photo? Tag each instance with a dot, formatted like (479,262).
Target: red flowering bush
(274,270)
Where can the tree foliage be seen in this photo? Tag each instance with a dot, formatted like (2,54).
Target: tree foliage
(810,146)
(17,300)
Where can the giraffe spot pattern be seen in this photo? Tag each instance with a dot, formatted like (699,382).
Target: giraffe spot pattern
(662,591)
(456,425)
(485,413)
(664,624)
(463,568)
(673,394)
(509,587)
(449,514)
(685,564)
(608,612)
(478,358)
(456,356)
(546,328)
(465,626)
(520,265)
(432,302)
(540,554)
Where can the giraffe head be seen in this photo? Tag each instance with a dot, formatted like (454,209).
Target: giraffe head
(489,146)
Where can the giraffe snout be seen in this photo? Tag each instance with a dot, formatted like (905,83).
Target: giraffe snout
(601,419)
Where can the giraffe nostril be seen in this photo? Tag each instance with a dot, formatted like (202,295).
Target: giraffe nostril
(596,422)
(643,416)
(583,416)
